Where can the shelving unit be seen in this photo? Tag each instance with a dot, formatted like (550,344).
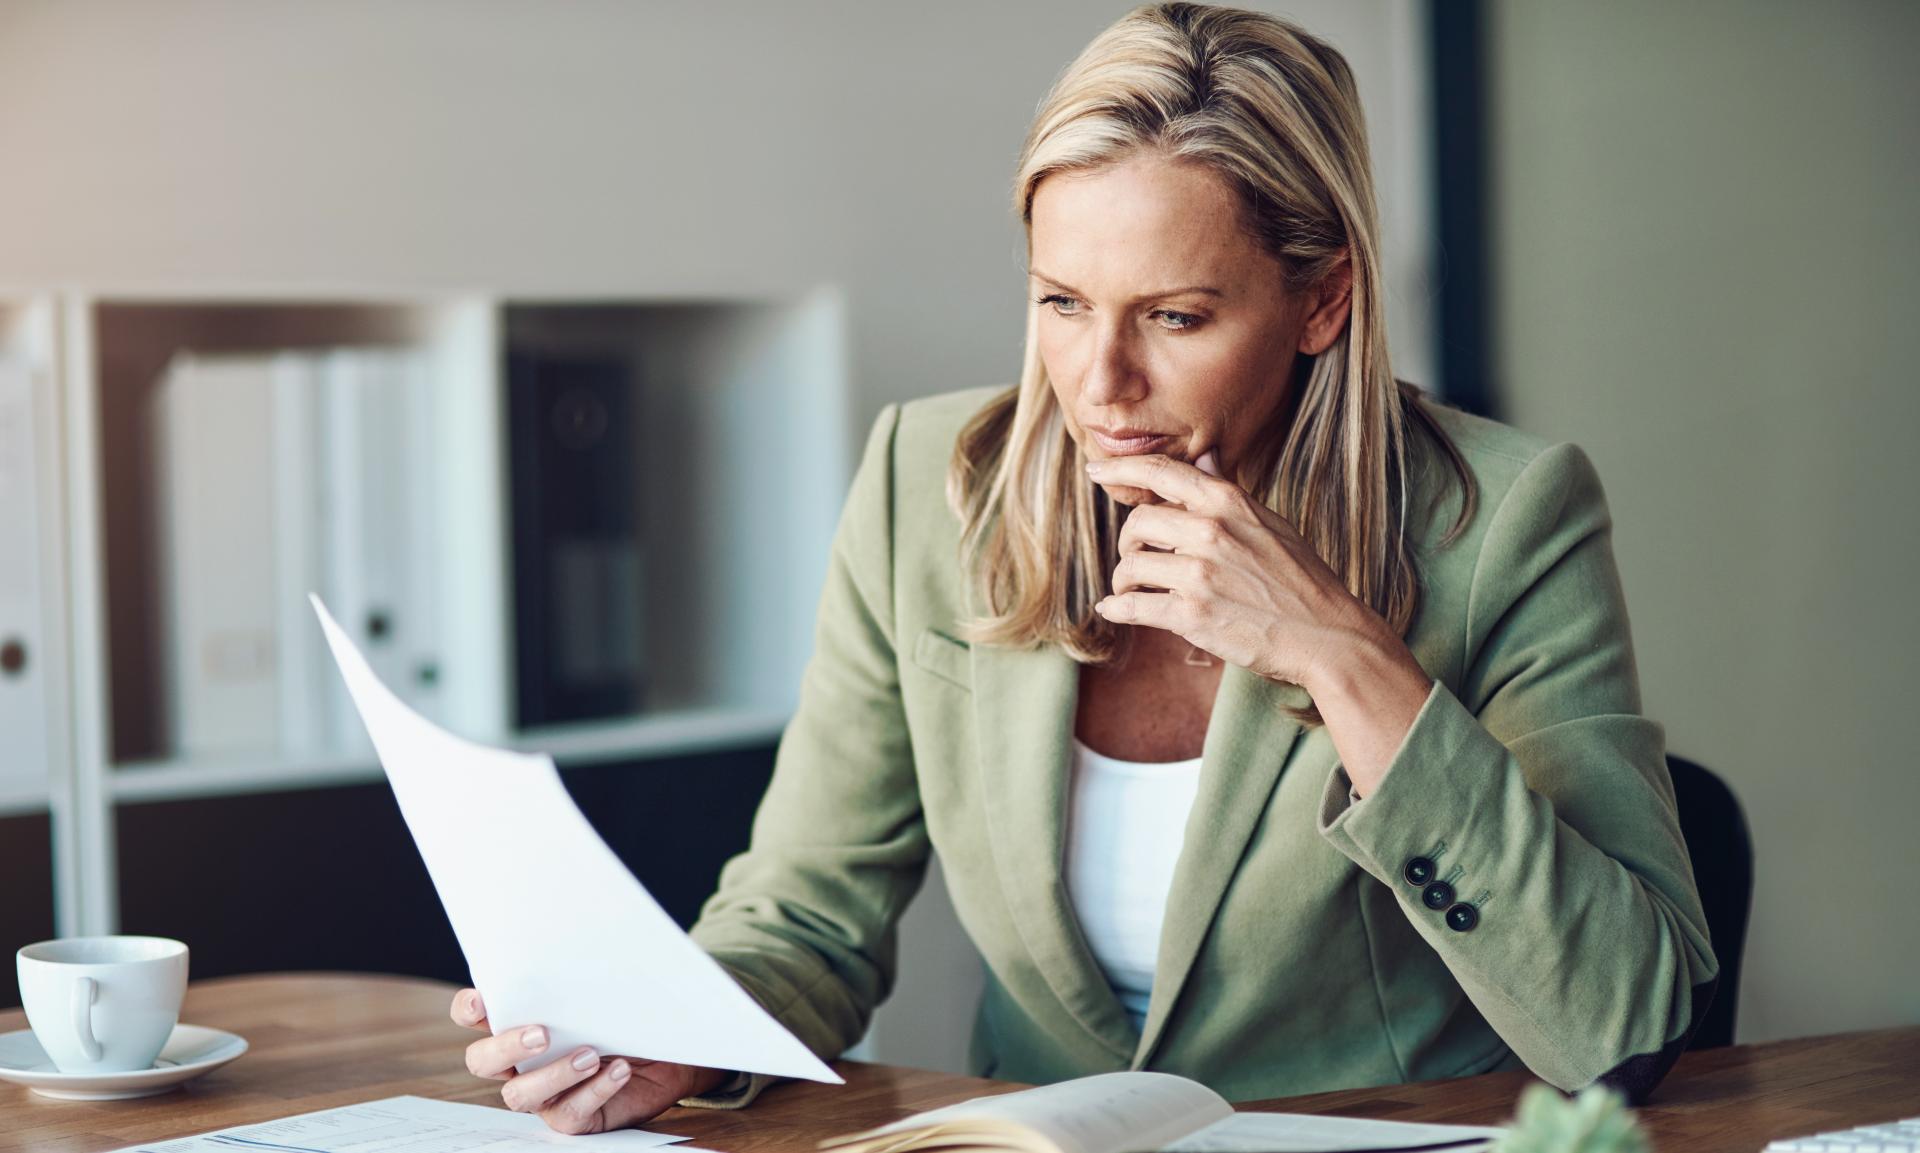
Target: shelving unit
(39,775)
(34,752)
(736,444)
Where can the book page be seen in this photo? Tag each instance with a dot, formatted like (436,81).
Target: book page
(1106,1113)
(1303,1133)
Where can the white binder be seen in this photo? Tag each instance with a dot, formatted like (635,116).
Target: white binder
(281,474)
(214,435)
(377,537)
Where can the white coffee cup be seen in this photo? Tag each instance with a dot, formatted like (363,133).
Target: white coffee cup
(103,1004)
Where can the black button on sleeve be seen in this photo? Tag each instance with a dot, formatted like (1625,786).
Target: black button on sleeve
(1462,917)
(1419,871)
(1437,895)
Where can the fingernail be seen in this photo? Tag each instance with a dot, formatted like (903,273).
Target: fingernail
(479,1010)
(535,1038)
(1095,467)
(1208,463)
(586,1059)
(619,1071)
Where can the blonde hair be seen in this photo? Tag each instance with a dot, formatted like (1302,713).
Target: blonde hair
(1273,111)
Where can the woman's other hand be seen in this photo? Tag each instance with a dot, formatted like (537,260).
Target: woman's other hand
(578,1092)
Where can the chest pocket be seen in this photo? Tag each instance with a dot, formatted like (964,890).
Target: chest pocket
(949,659)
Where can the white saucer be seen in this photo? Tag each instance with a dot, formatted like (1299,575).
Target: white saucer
(189,1052)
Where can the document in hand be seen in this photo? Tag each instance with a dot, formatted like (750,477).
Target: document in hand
(555,929)
(1140,1112)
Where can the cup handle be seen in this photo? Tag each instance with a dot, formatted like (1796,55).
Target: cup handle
(85,992)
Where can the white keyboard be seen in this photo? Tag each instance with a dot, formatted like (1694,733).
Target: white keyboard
(1892,1137)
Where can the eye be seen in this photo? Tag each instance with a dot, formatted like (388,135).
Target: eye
(1065,305)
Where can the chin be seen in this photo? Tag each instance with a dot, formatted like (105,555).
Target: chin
(1129,495)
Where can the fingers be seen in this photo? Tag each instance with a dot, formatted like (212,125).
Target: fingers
(1169,611)
(495,1057)
(534,1091)
(1165,477)
(1159,571)
(584,1109)
(467,1010)
(1149,526)
(1170,529)
(652,1088)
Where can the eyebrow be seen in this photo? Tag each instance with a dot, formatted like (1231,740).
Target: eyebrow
(1165,292)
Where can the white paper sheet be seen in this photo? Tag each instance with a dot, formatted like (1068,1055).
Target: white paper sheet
(1306,1133)
(409,1124)
(555,929)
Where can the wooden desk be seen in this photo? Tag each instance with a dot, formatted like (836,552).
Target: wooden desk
(324,1040)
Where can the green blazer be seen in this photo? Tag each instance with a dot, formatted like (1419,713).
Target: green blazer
(1296,955)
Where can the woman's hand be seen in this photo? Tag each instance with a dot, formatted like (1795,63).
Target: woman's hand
(1238,580)
(581,1092)
(1243,585)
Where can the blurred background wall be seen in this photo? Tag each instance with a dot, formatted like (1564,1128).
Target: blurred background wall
(1699,219)
(599,147)
(1707,272)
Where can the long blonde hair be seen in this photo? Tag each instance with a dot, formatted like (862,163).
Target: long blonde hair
(1273,111)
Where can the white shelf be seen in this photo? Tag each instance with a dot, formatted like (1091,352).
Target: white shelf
(31,335)
(16,801)
(740,422)
(641,738)
(183,779)
(671,734)
(744,458)
(133,342)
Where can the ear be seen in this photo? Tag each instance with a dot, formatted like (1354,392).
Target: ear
(1332,303)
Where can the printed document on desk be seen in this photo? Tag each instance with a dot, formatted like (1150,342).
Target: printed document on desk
(555,929)
(404,1125)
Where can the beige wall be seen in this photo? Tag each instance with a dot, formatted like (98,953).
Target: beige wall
(1708,260)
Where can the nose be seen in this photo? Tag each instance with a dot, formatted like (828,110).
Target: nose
(1113,374)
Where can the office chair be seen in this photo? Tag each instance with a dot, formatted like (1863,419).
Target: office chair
(1721,849)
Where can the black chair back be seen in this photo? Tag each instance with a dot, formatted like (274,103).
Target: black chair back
(1721,849)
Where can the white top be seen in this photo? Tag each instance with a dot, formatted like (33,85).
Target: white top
(1126,821)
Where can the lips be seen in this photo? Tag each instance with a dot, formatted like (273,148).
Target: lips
(1129,441)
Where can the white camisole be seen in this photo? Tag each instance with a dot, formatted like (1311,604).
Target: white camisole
(1126,821)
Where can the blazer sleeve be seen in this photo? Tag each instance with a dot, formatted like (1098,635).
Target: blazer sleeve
(805,918)
(1540,795)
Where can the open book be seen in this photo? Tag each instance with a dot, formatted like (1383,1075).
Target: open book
(1140,1113)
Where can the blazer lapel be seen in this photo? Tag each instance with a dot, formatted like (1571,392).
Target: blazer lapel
(1024,702)
(1248,742)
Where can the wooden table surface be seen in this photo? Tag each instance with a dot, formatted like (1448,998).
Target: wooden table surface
(325,1040)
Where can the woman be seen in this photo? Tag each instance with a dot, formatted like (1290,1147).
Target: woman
(1244,758)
